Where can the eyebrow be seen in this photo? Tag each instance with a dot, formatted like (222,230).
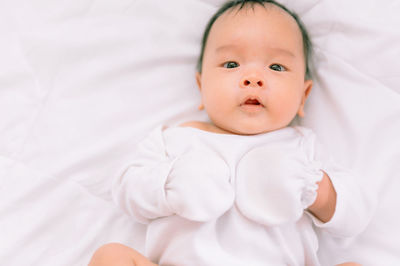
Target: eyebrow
(273,49)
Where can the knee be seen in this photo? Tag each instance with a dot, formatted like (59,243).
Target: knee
(107,253)
(114,247)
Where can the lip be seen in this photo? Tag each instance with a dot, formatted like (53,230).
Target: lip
(249,100)
(248,105)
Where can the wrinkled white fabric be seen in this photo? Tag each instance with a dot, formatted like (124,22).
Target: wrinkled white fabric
(166,185)
(275,185)
(218,199)
(193,174)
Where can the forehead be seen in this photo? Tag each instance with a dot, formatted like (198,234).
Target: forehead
(257,25)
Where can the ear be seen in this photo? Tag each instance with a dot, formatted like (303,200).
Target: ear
(307,89)
(198,80)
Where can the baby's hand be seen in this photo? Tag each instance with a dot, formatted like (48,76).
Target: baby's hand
(198,187)
(274,185)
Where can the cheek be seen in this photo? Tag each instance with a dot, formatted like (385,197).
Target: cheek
(286,97)
(218,90)
(215,99)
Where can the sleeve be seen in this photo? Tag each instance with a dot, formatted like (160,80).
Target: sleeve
(139,188)
(194,185)
(354,206)
(275,183)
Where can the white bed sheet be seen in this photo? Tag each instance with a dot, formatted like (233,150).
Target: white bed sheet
(82,81)
(47,221)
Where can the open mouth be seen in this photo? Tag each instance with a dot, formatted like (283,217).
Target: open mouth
(252,101)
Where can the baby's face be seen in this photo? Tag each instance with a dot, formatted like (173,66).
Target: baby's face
(252,78)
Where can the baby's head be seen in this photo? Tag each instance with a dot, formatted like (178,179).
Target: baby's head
(253,71)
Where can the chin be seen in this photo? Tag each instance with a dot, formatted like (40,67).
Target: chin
(250,131)
(246,128)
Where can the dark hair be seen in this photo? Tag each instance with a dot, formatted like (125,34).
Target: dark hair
(307,46)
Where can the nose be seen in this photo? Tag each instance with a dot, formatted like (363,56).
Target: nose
(252,81)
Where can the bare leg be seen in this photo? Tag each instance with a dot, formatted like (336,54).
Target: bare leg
(115,254)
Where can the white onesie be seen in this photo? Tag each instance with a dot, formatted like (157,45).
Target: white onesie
(218,199)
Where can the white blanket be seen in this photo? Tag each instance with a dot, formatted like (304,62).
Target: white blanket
(81,82)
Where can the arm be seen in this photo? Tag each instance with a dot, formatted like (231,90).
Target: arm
(324,206)
(343,207)
(139,188)
(156,184)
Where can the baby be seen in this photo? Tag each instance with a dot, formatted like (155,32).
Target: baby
(245,188)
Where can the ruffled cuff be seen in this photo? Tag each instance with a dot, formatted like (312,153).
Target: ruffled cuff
(312,175)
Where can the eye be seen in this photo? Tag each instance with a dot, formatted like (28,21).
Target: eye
(231,64)
(277,67)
